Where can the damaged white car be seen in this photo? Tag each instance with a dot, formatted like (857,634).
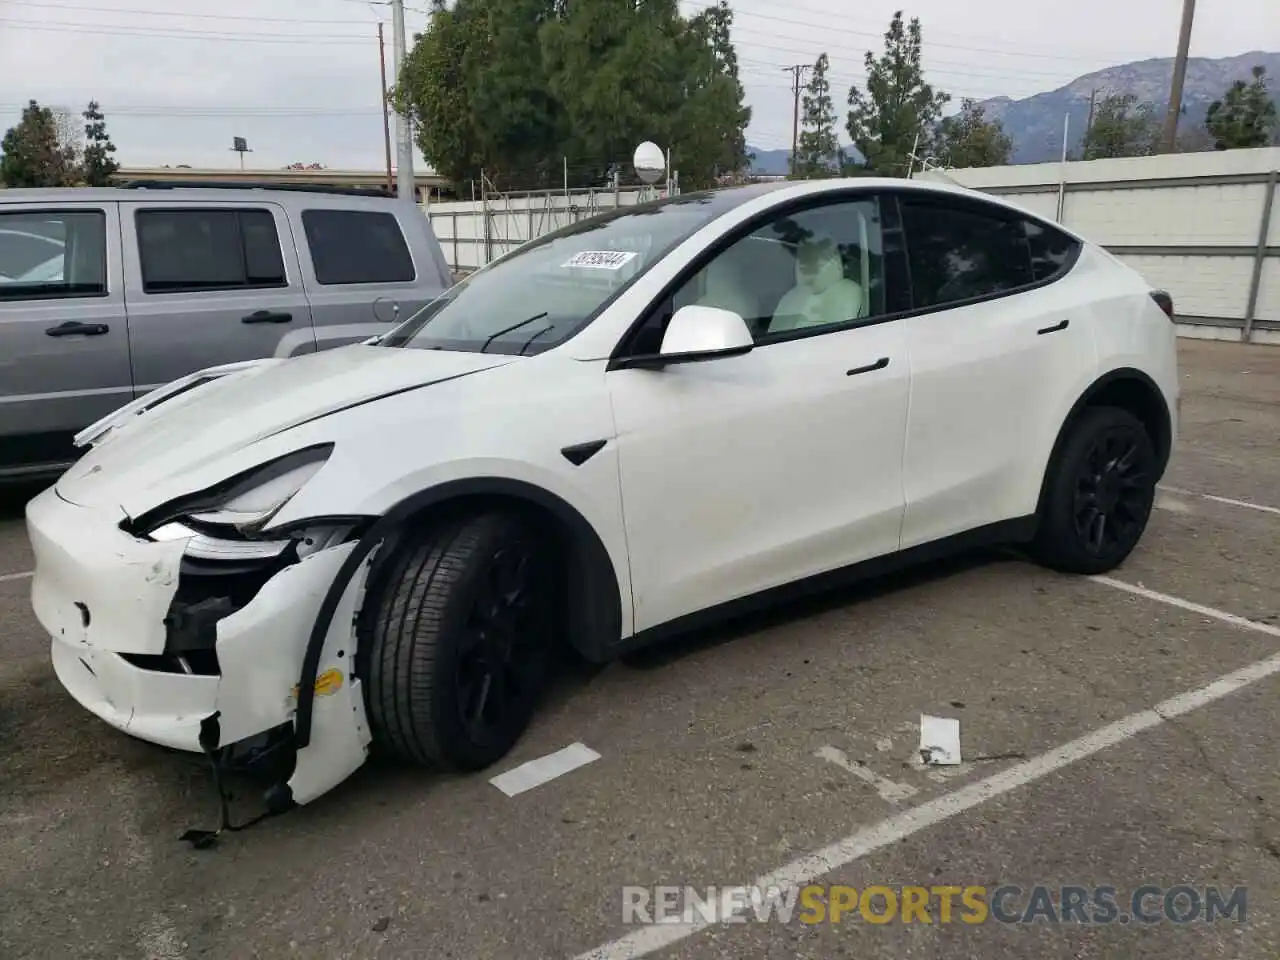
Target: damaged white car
(669,412)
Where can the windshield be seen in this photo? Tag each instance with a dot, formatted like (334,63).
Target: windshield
(547,290)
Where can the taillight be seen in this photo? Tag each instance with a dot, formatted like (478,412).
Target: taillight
(1164,301)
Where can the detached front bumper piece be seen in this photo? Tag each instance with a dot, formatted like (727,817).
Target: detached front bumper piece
(156,645)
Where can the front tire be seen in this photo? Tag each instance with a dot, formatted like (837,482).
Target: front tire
(1099,495)
(458,648)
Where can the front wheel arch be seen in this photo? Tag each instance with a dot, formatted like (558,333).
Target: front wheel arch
(594,598)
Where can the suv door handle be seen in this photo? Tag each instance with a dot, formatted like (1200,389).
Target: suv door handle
(878,365)
(266,316)
(73,328)
(1053,329)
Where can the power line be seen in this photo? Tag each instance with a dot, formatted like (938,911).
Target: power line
(345,39)
(182,15)
(175,33)
(827,27)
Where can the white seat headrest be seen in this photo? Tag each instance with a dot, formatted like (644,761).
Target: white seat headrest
(818,264)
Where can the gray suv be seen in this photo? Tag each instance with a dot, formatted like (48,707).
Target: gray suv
(106,294)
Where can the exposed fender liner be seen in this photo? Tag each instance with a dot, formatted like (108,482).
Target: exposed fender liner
(595,599)
(1112,376)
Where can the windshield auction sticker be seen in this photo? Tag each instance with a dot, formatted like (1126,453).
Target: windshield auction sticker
(601,259)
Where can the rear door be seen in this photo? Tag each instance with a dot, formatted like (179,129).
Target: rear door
(64,344)
(362,274)
(995,351)
(210,283)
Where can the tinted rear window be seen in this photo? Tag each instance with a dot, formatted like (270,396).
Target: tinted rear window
(357,246)
(958,252)
(208,249)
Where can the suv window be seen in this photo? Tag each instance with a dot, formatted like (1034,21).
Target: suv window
(53,255)
(357,246)
(816,268)
(207,249)
(1051,250)
(960,252)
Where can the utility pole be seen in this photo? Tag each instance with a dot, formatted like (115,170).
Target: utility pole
(404,140)
(797,71)
(1170,138)
(1093,98)
(386,118)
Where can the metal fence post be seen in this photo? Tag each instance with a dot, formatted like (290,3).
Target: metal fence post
(484,215)
(1259,257)
(453,219)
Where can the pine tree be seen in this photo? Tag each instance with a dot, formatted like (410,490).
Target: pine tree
(97,163)
(898,106)
(1122,127)
(33,155)
(818,153)
(969,139)
(1245,116)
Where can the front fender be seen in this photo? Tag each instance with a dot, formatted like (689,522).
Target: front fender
(600,597)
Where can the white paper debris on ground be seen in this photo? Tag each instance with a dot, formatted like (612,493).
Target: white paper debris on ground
(939,741)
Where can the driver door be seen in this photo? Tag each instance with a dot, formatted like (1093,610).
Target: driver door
(749,472)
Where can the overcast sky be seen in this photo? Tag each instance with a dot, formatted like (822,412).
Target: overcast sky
(298,79)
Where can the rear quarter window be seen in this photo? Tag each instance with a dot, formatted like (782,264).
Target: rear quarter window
(1052,251)
(357,246)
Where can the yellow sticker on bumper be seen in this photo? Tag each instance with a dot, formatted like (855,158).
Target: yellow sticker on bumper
(328,682)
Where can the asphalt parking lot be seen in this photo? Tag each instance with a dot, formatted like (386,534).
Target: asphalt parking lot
(1102,748)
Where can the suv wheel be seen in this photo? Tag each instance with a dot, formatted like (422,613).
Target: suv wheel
(458,647)
(1100,493)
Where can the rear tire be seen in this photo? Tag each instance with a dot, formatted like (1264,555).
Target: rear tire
(457,648)
(1099,496)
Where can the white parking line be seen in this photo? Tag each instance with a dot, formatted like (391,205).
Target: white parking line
(6,577)
(888,789)
(1216,499)
(807,869)
(537,772)
(1187,605)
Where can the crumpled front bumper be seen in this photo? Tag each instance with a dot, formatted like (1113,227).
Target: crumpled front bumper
(104,595)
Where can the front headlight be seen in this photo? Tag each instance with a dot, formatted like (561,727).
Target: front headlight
(261,501)
(240,506)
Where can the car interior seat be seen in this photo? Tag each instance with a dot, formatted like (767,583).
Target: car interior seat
(727,285)
(822,295)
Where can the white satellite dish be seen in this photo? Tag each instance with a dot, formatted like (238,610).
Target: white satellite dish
(649,162)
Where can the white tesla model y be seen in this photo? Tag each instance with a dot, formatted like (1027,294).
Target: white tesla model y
(663,414)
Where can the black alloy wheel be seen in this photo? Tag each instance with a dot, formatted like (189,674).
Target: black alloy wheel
(504,649)
(1099,493)
(458,640)
(1112,490)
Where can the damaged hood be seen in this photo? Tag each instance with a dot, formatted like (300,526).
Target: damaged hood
(156,440)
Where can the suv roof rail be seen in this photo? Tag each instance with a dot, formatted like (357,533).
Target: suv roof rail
(255,185)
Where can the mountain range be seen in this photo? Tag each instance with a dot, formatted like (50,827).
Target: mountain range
(1035,123)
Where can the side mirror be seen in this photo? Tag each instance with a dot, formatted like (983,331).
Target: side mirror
(697,333)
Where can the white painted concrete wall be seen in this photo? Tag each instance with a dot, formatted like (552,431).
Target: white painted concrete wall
(1190,223)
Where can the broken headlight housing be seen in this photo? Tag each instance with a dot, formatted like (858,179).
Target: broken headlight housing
(223,523)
